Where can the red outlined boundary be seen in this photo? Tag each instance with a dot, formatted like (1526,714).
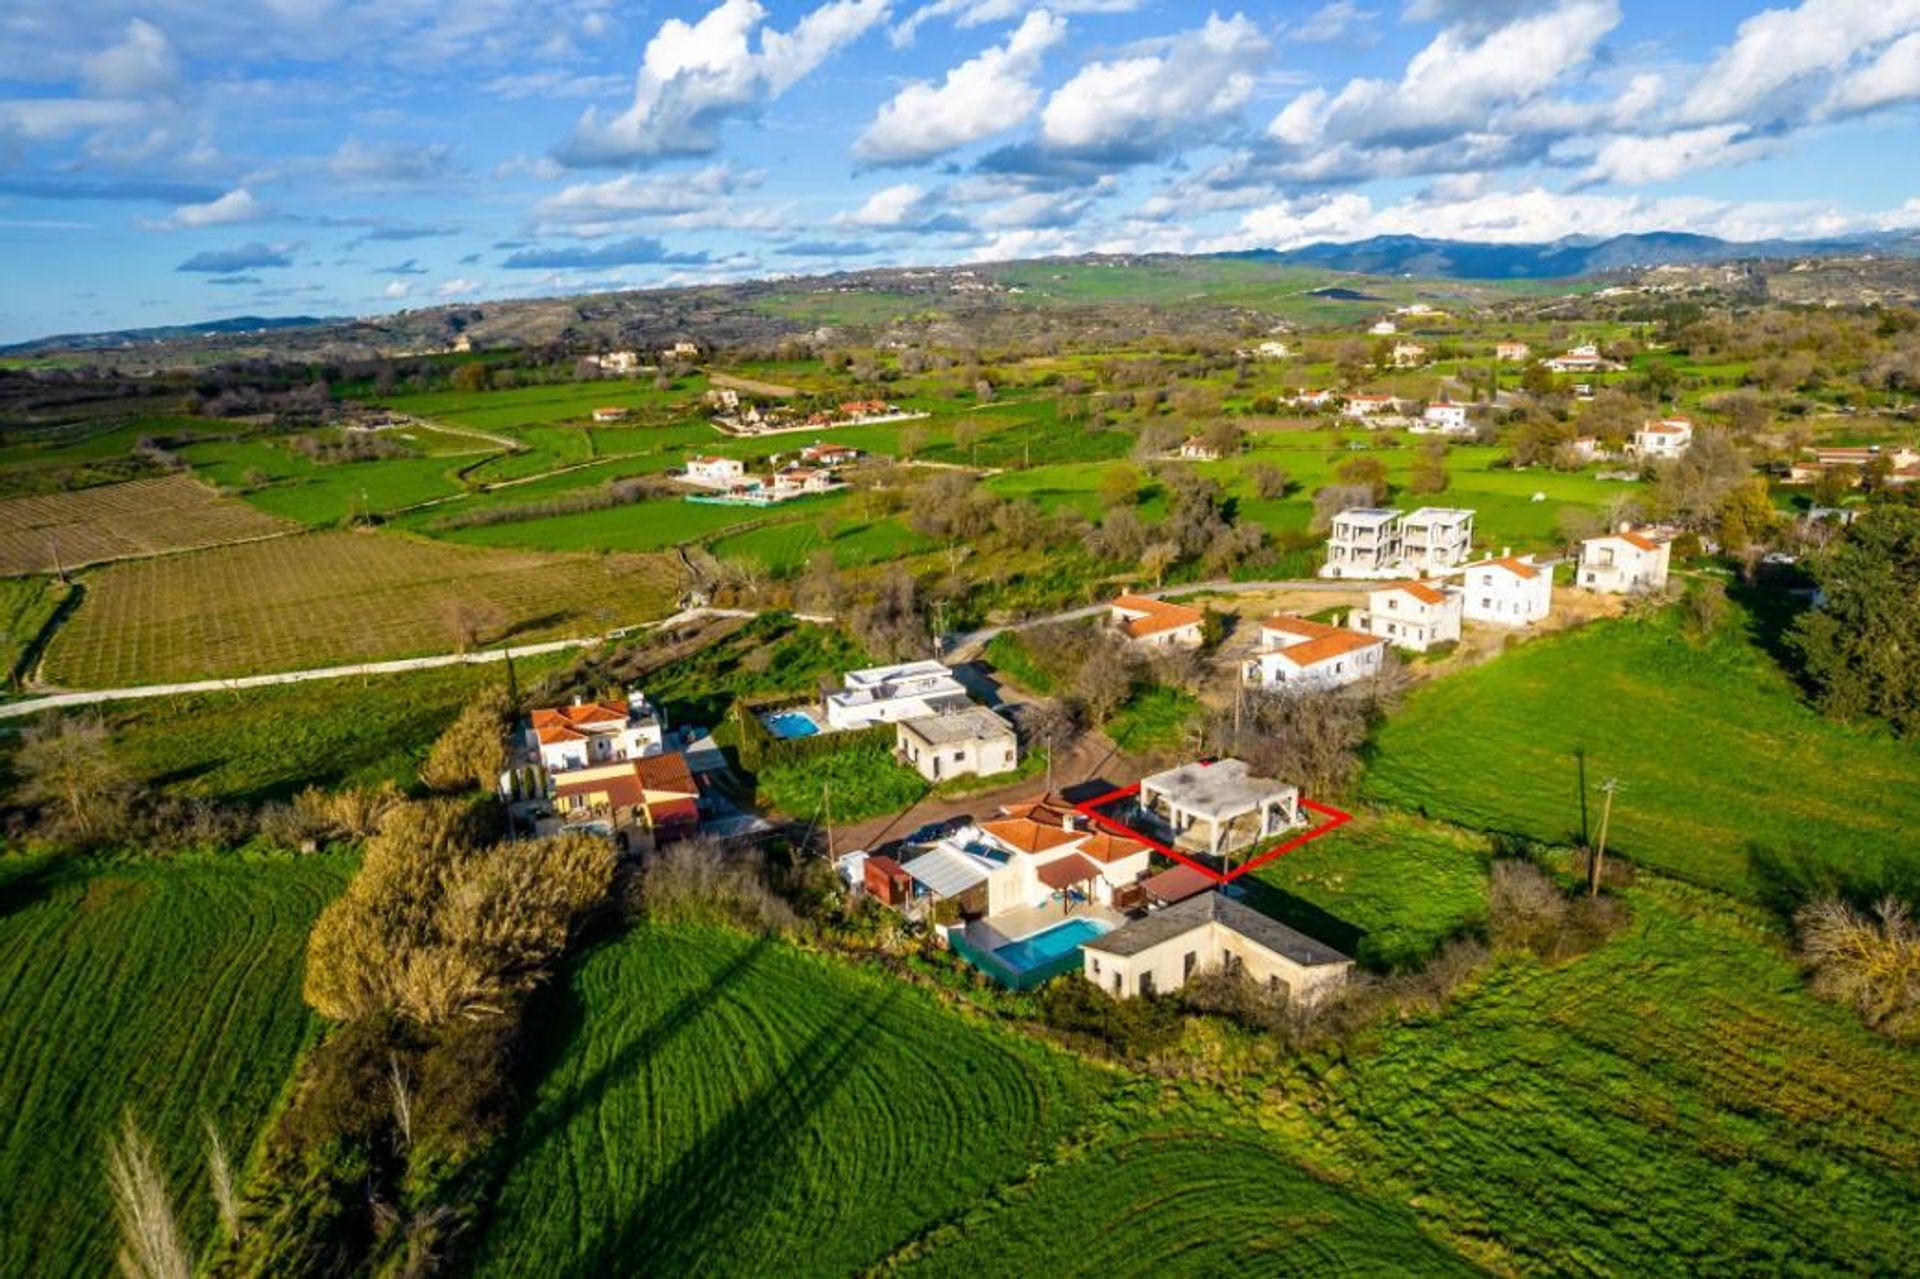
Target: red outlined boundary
(1090,810)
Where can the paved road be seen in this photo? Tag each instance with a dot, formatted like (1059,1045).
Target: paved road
(966,645)
(94,697)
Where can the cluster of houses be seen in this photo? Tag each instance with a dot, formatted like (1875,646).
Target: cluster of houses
(603,767)
(939,730)
(815,469)
(629,363)
(1044,887)
(737,416)
(1899,462)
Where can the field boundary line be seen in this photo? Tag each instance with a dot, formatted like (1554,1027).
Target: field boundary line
(94,697)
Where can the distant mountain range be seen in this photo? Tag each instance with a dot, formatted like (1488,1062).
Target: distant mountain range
(121,339)
(1563,259)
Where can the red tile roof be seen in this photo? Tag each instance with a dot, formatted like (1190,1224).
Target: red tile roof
(1421,591)
(1064,872)
(1640,540)
(1519,568)
(1028,836)
(1338,644)
(1107,849)
(1177,884)
(1288,624)
(666,773)
(1160,616)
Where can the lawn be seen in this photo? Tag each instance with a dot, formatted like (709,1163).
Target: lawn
(718,1105)
(333,598)
(170,989)
(283,483)
(1157,719)
(1711,744)
(650,525)
(45,532)
(771,656)
(1672,1103)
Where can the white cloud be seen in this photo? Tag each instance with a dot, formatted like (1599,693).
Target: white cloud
(905,204)
(1635,161)
(1136,106)
(142,65)
(702,198)
(982,96)
(49,119)
(1456,82)
(232,209)
(1892,77)
(458,287)
(1332,21)
(694,76)
(1040,209)
(1778,48)
(390,163)
(397,289)
(979,13)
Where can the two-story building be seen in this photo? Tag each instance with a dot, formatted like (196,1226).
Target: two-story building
(1509,591)
(1435,538)
(1443,417)
(587,733)
(1412,615)
(715,472)
(1665,439)
(890,694)
(1363,541)
(1624,562)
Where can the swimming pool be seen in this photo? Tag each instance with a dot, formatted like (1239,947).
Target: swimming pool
(785,724)
(1048,945)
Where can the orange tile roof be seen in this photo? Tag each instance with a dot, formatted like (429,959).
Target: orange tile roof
(1338,644)
(666,773)
(1049,810)
(553,733)
(1632,538)
(578,716)
(1519,568)
(1064,872)
(1160,616)
(1028,836)
(1421,591)
(1291,625)
(1105,848)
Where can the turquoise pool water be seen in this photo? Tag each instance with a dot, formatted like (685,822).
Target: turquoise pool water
(791,724)
(1044,947)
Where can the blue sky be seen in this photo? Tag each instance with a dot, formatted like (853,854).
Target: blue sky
(176,160)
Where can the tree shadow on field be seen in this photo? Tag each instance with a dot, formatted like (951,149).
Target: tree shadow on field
(566,1020)
(735,1170)
(26,888)
(1297,912)
(530,626)
(1771,605)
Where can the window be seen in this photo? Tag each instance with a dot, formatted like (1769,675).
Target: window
(1146,983)
(1095,959)
(1188,964)
(1116,983)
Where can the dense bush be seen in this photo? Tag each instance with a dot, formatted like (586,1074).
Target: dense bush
(704,882)
(1868,960)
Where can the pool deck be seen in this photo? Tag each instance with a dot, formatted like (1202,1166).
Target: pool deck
(1015,925)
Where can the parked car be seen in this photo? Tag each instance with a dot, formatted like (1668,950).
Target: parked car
(933,832)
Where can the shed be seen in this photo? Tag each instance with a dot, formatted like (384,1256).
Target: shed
(887,880)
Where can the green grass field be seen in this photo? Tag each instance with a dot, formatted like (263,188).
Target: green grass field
(27,604)
(334,598)
(283,483)
(171,989)
(1157,719)
(720,1105)
(851,784)
(1207,1195)
(1712,746)
(1672,1103)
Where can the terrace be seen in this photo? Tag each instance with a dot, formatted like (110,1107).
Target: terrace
(1215,809)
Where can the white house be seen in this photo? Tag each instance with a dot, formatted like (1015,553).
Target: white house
(1512,351)
(797,480)
(1010,870)
(1384,328)
(1444,417)
(715,472)
(1196,449)
(829,455)
(1153,623)
(965,742)
(1581,359)
(1364,541)
(1408,355)
(619,363)
(889,694)
(681,350)
(1435,538)
(1206,933)
(1412,615)
(1361,406)
(1625,562)
(1311,398)
(1667,438)
(610,413)
(1508,591)
(1295,652)
(588,733)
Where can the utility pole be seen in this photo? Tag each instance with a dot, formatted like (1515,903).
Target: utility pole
(59,569)
(1598,860)
(826,805)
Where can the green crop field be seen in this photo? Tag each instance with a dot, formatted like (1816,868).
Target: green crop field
(81,454)
(539,405)
(283,483)
(1672,1103)
(717,1104)
(1184,1198)
(44,532)
(651,525)
(332,598)
(27,604)
(1711,744)
(172,989)
(851,785)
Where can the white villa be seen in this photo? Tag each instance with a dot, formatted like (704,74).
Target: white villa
(1152,623)
(1509,591)
(968,741)
(1384,328)
(1435,538)
(890,694)
(1363,406)
(1036,859)
(1196,449)
(618,363)
(1408,355)
(1209,932)
(1581,359)
(1295,651)
(1413,615)
(1512,351)
(715,472)
(1443,417)
(589,733)
(1667,438)
(1624,562)
(1311,398)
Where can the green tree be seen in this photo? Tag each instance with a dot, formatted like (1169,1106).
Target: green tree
(1861,647)
(476,375)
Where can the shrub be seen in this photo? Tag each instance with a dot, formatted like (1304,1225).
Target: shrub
(703,882)
(1527,910)
(1868,960)
(472,753)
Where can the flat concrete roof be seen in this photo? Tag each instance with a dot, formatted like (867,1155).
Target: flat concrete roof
(965,724)
(1223,789)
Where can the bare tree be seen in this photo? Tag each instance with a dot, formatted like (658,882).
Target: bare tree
(226,1197)
(68,764)
(1868,961)
(469,621)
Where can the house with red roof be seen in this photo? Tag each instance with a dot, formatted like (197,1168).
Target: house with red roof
(1152,623)
(1667,438)
(653,798)
(1296,652)
(1624,562)
(1412,615)
(1509,591)
(586,733)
